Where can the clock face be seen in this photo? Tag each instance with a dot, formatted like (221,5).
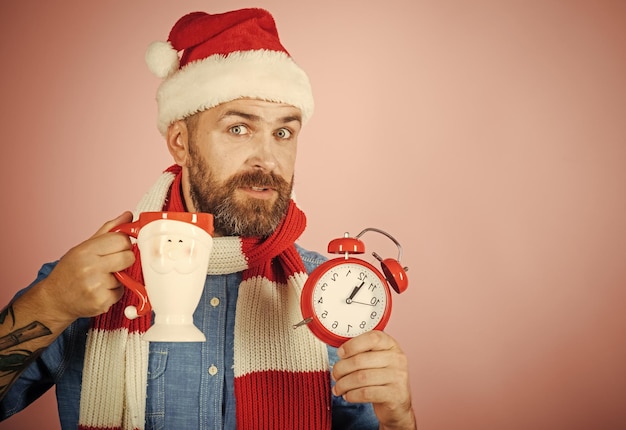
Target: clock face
(350,299)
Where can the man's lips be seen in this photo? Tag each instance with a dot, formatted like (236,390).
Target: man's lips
(259,192)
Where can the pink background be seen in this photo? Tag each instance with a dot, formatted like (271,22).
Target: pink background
(489,137)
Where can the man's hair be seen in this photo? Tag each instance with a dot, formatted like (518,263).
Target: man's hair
(191,122)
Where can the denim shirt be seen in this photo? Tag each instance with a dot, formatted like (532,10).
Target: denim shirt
(190,384)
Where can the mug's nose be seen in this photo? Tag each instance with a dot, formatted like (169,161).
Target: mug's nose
(175,248)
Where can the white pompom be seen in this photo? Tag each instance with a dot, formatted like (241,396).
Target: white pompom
(162,59)
(131,312)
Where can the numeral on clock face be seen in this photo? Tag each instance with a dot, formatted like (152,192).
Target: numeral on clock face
(349,299)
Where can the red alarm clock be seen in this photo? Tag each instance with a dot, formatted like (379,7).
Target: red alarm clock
(347,296)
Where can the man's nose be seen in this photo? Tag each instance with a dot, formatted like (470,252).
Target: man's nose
(263,156)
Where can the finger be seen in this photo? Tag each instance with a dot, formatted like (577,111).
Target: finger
(374,340)
(364,360)
(102,301)
(109,243)
(89,253)
(370,394)
(118,261)
(116,295)
(124,217)
(361,379)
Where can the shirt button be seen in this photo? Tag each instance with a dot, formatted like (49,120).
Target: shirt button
(212,370)
(215,301)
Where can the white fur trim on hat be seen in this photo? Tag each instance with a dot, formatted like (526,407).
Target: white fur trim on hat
(261,74)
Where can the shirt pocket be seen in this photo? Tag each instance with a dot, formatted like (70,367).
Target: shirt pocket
(155,400)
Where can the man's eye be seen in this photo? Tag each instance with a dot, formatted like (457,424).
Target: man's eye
(239,129)
(283,133)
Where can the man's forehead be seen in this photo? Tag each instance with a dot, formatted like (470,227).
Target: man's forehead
(259,109)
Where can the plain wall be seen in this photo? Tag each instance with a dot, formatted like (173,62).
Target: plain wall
(488,137)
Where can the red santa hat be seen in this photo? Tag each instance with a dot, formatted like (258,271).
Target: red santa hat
(224,57)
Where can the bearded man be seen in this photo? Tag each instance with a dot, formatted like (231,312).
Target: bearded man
(231,109)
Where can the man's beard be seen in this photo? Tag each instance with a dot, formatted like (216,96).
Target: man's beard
(234,216)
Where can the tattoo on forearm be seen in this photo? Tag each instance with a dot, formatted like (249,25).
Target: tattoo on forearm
(8,311)
(14,360)
(24,334)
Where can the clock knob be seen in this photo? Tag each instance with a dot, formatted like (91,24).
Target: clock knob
(346,245)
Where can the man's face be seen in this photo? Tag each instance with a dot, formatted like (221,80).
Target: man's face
(241,164)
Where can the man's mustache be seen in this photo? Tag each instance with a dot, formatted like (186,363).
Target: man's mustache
(257,179)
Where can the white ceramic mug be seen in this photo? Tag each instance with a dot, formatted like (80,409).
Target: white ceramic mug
(174,250)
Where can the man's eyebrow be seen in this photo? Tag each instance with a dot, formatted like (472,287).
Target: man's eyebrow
(248,116)
(252,117)
(292,118)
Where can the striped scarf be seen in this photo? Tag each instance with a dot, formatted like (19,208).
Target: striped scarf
(281,374)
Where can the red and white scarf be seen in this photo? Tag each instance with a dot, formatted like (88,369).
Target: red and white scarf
(281,374)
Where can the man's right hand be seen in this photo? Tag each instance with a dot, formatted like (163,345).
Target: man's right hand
(82,284)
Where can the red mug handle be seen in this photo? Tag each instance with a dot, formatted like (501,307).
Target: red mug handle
(132,312)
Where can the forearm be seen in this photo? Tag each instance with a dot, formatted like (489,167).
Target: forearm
(27,327)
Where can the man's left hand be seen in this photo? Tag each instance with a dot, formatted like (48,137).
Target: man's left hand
(372,368)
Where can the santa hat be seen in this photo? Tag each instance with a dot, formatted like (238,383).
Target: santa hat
(224,57)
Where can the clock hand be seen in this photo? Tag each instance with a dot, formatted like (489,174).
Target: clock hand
(356,290)
(362,303)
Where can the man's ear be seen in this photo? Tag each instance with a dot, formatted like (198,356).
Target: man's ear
(178,142)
